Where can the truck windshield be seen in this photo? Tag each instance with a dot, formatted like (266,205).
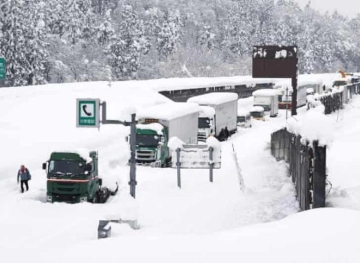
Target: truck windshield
(151,140)
(339,83)
(241,118)
(257,114)
(204,123)
(66,167)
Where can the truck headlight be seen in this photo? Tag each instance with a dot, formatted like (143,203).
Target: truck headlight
(83,199)
(48,198)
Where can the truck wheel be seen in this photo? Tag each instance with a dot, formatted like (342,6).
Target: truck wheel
(95,199)
(168,162)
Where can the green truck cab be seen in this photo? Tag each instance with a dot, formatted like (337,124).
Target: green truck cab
(151,144)
(71,179)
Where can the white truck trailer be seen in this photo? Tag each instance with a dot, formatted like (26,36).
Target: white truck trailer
(224,105)
(157,124)
(268,99)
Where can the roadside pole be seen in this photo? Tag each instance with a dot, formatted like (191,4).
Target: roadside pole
(88,116)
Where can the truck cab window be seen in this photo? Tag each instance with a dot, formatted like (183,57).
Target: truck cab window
(64,167)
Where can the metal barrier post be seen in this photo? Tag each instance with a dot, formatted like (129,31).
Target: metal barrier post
(178,164)
(211,163)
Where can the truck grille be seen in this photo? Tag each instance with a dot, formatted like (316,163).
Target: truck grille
(202,137)
(145,155)
(66,198)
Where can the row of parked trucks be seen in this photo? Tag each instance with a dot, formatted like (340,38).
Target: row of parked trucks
(71,178)
(192,122)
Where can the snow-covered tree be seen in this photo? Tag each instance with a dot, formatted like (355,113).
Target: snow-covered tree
(105,32)
(169,35)
(23,42)
(126,49)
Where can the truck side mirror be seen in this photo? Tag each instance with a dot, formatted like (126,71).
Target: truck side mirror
(44,166)
(88,167)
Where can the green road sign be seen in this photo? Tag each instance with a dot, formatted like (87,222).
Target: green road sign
(88,113)
(2,68)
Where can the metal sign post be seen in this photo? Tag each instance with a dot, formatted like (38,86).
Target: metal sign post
(2,68)
(132,181)
(88,115)
(178,167)
(211,163)
(196,156)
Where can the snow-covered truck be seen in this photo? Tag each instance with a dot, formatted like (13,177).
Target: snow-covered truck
(224,105)
(268,99)
(157,124)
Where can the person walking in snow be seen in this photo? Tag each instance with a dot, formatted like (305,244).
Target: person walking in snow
(24,176)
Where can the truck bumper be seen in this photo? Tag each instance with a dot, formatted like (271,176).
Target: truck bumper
(63,198)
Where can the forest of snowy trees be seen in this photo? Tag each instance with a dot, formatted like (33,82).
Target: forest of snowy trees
(54,41)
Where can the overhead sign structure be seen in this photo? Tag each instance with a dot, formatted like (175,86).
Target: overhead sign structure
(274,61)
(277,62)
(2,68)
(88,113)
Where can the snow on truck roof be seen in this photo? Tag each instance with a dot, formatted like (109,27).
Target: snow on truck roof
(242,112)
(214,98)
(157,127)
(168,111)
(257,109)
(265,92)
(207,111)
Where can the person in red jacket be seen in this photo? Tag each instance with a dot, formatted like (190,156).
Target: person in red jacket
(24,176)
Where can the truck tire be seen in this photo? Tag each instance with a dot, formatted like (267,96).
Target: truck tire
(95,199)
(168,162)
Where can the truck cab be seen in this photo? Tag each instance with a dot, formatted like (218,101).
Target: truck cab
(257,112)
(151,143)
(268,100)
(70,178)
(218,110)
(206,123)
(244,119)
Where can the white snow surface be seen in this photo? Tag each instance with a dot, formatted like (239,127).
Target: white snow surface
(202,221)
(168,111)
(175,143)
(214,98)
(256,109)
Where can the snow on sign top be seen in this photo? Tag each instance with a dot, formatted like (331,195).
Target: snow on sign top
(214,98)
(168,111)
(266,92)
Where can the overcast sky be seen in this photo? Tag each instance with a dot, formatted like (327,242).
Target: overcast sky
(346,7)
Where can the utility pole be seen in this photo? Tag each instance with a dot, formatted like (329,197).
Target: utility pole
(132,181)
(294,93)
(132,125)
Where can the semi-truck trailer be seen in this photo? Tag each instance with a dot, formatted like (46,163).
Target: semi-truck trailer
(157,124)
(224,105)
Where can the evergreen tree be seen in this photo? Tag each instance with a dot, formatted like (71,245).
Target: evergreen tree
(22,42)
(169,36)
(105,32)
(126,50)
